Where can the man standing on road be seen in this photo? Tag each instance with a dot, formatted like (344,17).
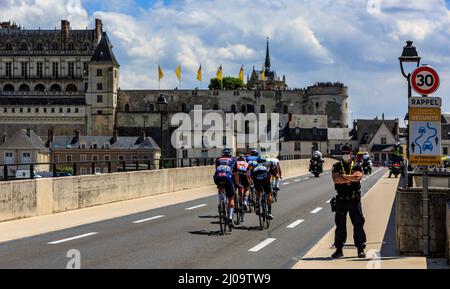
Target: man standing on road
(347,177)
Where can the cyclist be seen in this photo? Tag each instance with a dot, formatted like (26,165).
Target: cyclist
(226,176)
(244,184)
(254,155)
(261,181)
(275,171)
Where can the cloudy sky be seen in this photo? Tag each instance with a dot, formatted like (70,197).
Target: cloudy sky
(356,42)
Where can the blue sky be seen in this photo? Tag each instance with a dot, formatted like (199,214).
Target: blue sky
(356,42)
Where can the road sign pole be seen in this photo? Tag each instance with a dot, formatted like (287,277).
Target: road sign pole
(425,214)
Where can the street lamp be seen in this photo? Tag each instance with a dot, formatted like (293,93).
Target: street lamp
(161,105)
(409,55)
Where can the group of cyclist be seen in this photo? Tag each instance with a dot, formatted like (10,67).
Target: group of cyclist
(244,173)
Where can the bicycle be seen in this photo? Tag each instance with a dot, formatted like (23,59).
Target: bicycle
(263,211)
(275,190)
(239,211)
(223,215)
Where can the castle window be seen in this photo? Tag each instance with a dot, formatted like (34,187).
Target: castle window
(99,111)
(39,69)
(127,107)
(71,87)
(55,69)
(215,107)
(76,110)
(8,69)
(317,105)
(85,68)
(99,86)
(71,46)
(23,46)
(53,110)
(60,110)
(24,67)
(183,107)
(99,98)
(263,109)
(8,87)
(71,69)
(28,110)
(55,46)
(39,47)
(36,110)
(24,87)
(9,46)
(285,109)
(99,72)
(55,88)
(68,110)
(243,108)
(233,108)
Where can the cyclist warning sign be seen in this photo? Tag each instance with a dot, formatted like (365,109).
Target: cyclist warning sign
(425,136)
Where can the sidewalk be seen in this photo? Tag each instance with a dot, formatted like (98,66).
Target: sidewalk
(16,229)
(377,208)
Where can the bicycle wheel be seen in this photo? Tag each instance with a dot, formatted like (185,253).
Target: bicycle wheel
(237,209)
(222,217)
(266,212)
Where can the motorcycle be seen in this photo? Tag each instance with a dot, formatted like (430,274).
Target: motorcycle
(367,168)
(395,169)
(315,168)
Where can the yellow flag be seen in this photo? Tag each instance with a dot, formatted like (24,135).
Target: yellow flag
(219,73)
(263,74)
(160,73)
(178,72)
(199,73)
(241,73)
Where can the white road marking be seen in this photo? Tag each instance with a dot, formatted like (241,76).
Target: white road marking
(316,210)
(307,178)
(148,219)
(287,183)
(297,180)
(262,245)
(296,223)
(72,238)
(195,207)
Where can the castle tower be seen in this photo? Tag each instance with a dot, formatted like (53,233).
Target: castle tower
(103,86)
(267,61)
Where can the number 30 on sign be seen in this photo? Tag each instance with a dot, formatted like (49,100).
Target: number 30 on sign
(425,80)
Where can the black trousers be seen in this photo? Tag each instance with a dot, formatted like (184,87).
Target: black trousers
(353,207)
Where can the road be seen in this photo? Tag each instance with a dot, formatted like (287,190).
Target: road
(186,235)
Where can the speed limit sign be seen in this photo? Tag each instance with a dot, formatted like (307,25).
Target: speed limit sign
(425,80)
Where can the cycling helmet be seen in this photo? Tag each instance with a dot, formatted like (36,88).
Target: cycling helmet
(255,153)
(226,152)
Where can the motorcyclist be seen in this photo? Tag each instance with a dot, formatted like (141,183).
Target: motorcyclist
(316,157)
(367,163)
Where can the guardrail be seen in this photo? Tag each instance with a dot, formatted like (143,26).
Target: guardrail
(59,169)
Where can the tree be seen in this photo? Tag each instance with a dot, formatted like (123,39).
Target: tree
(215,84)
(228,83)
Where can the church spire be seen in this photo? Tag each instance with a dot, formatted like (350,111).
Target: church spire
(267,62)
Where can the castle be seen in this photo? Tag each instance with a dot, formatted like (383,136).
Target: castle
(65,79)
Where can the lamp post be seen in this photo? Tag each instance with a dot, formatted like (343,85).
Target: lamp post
(161,105)
(409,55)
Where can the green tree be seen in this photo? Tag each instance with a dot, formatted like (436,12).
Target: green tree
(215,84)
(228,83)
(65,170)
(232,83)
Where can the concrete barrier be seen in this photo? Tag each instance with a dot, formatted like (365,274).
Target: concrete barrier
(28,198)
(448,232)
(409,220)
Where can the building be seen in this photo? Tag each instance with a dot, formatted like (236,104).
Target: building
(102,154)
(59,78)
(23,147)
(271,81)
(65,79)
(377,136)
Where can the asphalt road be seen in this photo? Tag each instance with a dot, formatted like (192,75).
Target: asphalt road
(186,235)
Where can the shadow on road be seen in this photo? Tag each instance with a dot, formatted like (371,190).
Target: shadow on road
(206,233)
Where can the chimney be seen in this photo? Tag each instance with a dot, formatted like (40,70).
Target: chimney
(115,136)
(76,138)
(28,132)
(50,137)
(65,27)
(98,29)
(142,136)
(4,136)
